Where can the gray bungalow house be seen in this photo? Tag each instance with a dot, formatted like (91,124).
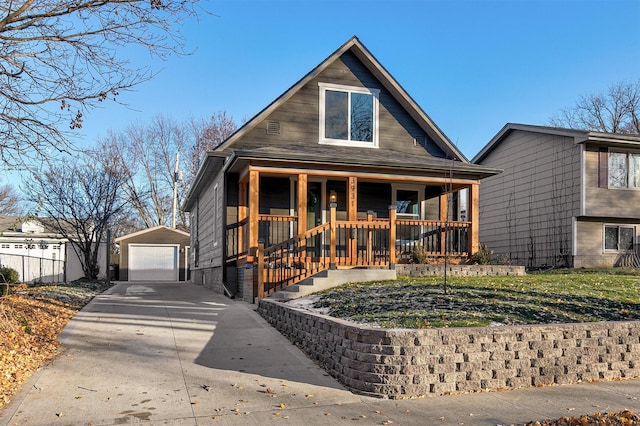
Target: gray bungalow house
(343,170)
(566,198)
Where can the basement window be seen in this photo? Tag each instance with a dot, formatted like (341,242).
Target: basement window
(619,238)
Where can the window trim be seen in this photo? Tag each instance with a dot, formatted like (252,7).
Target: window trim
(618,226)
(323,140)
(408,187)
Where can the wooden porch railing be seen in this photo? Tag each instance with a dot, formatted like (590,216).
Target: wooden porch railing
(235,249)
(292,261)
(369,242)
(274,229)
(431,236)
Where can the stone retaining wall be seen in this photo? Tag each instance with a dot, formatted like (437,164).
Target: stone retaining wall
(402,363)
(421,270)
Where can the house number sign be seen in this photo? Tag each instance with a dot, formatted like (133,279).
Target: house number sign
(352,192)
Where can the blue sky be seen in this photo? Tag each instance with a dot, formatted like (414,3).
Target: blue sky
(471,65)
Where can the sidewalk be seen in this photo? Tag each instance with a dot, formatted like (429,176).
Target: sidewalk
(179,354)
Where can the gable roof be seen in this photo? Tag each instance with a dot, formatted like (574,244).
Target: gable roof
(228,157)
(579,136)
(14,225)
(386,79)
(151,230)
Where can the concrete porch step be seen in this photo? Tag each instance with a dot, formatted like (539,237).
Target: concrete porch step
(333,278)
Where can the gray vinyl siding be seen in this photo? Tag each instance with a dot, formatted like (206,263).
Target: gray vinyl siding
(211,227)
(605,202)
(299,116)
(526,212)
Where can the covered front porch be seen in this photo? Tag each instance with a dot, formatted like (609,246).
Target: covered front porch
(287,224)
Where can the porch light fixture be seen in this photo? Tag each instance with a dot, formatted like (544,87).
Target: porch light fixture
(333,197)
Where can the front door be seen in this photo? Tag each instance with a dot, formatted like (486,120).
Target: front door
(314,204)
(314,216)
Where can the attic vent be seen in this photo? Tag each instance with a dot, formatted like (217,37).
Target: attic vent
(420,141)
(273,127)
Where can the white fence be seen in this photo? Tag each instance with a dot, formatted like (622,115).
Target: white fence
(35,269)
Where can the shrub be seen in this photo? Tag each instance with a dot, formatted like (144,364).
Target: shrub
(9,275)
(482,256)
(419,255)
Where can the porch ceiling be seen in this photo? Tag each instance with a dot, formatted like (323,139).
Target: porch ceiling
(345,158)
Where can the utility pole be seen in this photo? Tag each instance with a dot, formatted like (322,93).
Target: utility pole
(177,176)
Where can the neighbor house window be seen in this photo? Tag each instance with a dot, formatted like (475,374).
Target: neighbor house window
(624,170)
(6,246)
(348,115)
(619,238)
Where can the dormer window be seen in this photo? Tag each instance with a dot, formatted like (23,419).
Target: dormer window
(348,115)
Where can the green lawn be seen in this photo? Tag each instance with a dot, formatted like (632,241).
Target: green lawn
(538,298)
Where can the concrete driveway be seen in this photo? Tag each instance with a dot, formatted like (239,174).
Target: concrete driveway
(177,353)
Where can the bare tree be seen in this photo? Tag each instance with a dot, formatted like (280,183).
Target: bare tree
(60,58)
(9,200)
(208,134)
(616,111)
(81,198)
(146,154)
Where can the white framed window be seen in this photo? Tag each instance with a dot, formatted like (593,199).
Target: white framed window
(17,246)
(408,200)
(624,170)
(619,238)
(348,115)
(6,246)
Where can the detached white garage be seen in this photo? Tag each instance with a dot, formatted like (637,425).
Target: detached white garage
(153,262)
(154,254)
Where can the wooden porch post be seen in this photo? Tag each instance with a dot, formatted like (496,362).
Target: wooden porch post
(242,215)
(302,204)
(254,192)
(392,236)
(302,213)
(369,237)
(444,197)
(332,230)
(352,216)
(474,218)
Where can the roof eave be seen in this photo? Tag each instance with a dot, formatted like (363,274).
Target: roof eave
(212,159)
(577,135)
(458,166)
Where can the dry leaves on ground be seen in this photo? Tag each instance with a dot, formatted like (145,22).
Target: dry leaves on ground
(30,320)
(624,417)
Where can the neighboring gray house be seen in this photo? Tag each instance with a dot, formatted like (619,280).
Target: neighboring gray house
(566,198)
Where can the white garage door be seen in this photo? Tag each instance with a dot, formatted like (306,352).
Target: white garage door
(152,262)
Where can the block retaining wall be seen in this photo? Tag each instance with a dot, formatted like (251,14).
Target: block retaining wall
(402,363)
(421,270)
